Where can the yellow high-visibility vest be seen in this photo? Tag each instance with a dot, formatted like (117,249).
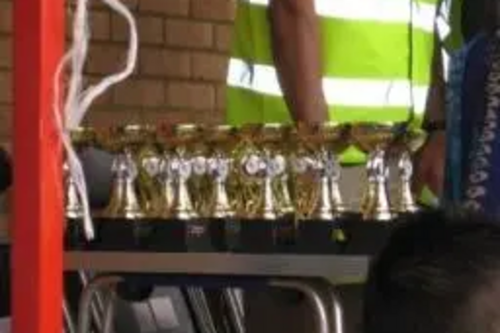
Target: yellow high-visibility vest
(377,57)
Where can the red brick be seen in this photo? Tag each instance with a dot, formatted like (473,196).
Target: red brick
(188,34)
(197,96)
(150,29)
(209,66)
(100,25)
(176,116)
(223,10)
(168,7)
(146,93)
(104,59)
(223,35)
(105,98)
(165,63)
(221,96)
(5,52)
(5,87)
(100,118)
(5,16)
(5,122)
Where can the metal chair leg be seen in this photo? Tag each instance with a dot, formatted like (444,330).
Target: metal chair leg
(198,301)
(236,312)
(69,323)
(97,306)
(84,309)
(313,296)
(109,314)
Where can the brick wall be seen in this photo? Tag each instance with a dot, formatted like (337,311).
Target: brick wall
(181,68)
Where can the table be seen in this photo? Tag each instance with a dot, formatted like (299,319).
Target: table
(333,268)
(272,268)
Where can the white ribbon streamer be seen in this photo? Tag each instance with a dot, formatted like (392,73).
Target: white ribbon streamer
(78,101)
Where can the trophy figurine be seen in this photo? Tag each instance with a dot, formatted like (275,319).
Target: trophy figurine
(266,164)
(224,226)
(82,138)
(404,148)
(123,221)
(374,139)
(125,202)
(166,179)
(219,164)
(320,145)
(179,226)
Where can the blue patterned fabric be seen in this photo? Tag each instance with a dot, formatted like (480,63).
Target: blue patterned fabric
(465,92)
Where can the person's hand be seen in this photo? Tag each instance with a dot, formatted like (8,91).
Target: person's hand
(430,164)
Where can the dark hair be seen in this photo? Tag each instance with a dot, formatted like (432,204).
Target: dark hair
(437,274)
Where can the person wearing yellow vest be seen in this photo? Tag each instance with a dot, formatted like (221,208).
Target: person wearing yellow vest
(343,61)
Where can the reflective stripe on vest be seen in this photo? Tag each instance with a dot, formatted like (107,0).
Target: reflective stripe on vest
(366,73)
(338,91)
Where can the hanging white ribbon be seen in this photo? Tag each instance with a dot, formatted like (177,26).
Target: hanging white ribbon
(78,100)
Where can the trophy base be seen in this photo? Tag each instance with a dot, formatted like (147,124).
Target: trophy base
(115,234)
(74,236)
(225,234)
(179,236)
(365,237)
(267,236)
(321,237)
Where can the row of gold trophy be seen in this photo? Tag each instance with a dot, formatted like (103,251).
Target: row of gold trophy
(257,171)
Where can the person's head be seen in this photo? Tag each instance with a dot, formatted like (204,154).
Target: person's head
(437,274)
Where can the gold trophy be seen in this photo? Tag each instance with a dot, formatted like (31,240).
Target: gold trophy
(221,141)
(128,200)
(181,226)
(404,149)
(224,226)
(266,163)
(82,138)
(317,149)
(316,155)
(330,140)
(181,167)
(165,175)
(374,139)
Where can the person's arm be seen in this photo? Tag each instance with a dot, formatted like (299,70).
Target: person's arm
(296,43)
(435,108)
(430,161)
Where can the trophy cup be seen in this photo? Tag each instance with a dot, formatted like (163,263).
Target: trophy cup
(404,149)
(82,138)
(224,227)
(373,140)
(320,229)
(179,227)
(265,228)
(123,222)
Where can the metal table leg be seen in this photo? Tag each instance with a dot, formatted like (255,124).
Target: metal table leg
(338,311)
(313,296)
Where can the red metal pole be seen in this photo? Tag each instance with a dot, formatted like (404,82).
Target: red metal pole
(38,205)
